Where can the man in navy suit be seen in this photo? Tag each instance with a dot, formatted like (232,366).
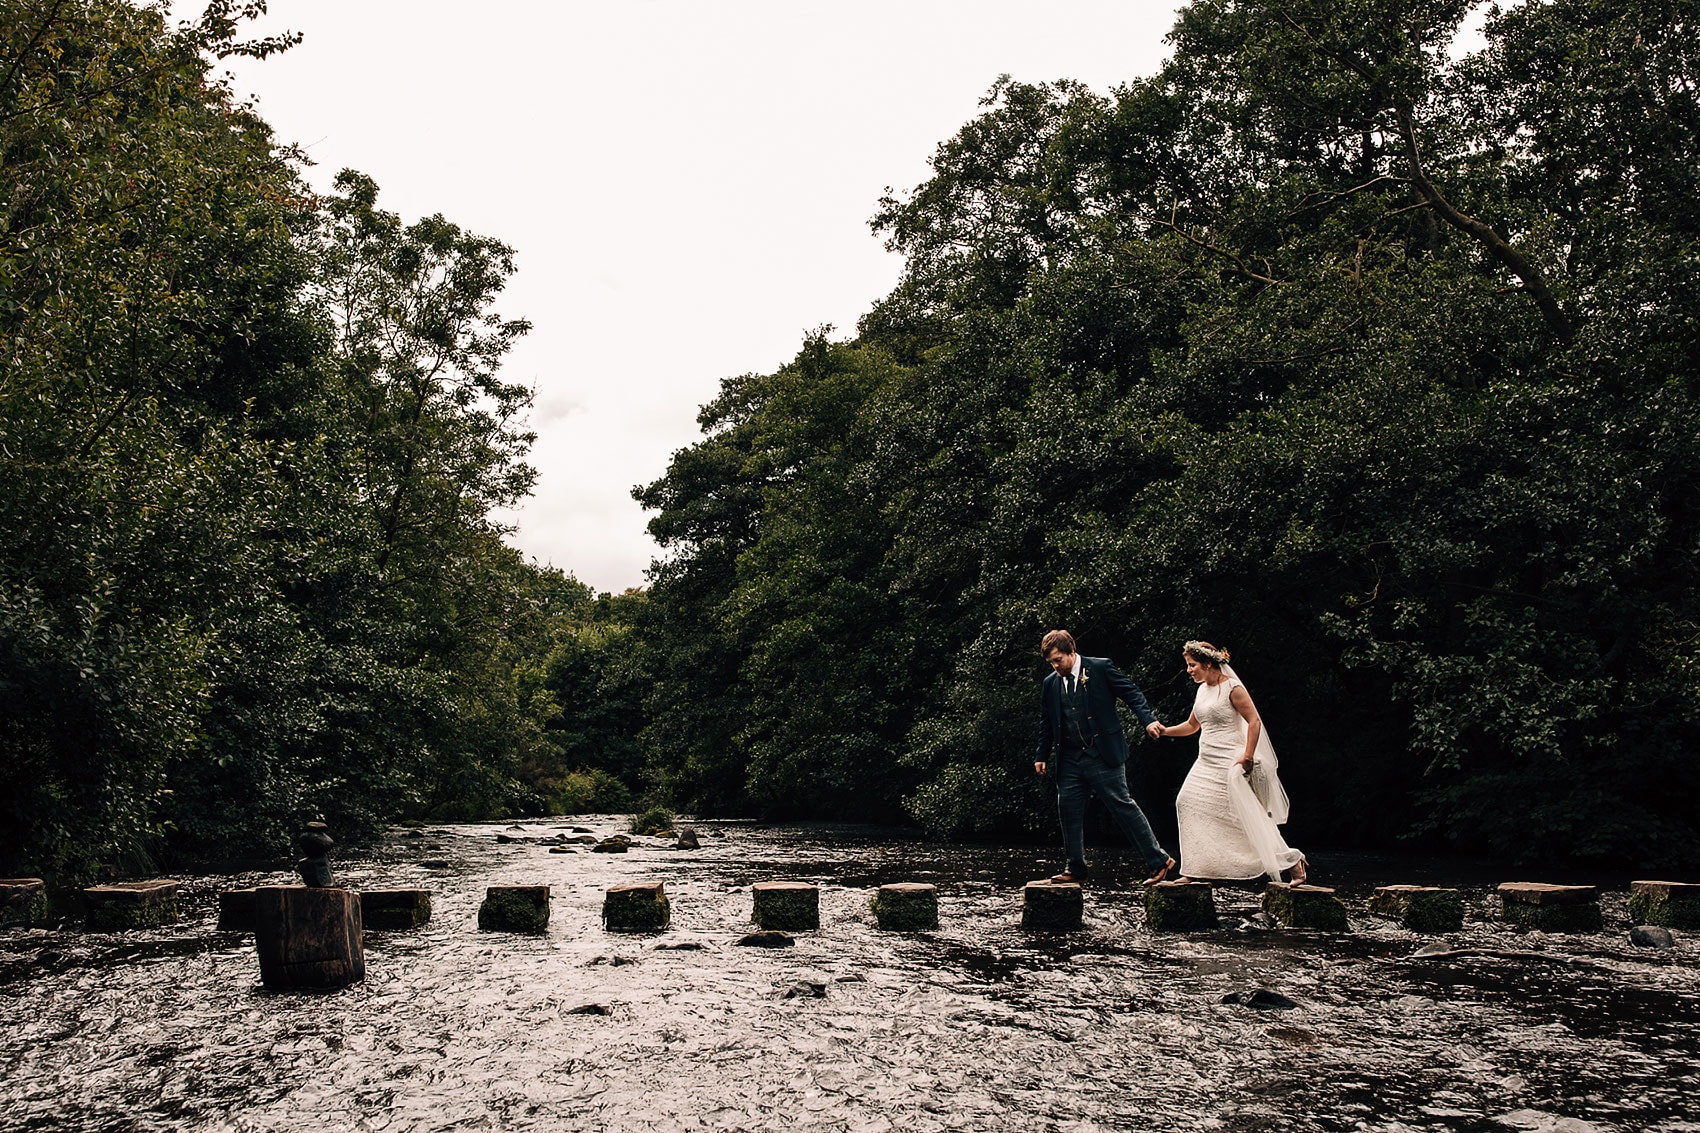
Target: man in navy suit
(1077,720)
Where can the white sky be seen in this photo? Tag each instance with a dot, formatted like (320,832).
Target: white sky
(687,184)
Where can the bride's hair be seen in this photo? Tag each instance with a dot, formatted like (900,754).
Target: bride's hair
(1206,654)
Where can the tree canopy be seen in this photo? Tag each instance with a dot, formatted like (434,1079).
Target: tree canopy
(253,438)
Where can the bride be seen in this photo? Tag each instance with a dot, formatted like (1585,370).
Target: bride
(1232,803)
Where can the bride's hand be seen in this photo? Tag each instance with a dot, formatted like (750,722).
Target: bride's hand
(1245,767)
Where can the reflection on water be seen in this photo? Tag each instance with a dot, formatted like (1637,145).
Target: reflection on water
(976,1027)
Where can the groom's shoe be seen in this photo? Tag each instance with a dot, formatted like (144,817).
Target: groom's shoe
(1072,876)
(1163,873)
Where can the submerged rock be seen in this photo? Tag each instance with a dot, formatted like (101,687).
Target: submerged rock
(589,1009)
(1652,936)
(770,938)
(1260,999)
(805,989)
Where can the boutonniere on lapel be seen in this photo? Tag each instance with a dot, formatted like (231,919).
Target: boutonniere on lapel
(1085,675)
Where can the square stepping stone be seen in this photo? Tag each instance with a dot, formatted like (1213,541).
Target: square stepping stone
(395,908)
(1669,904)
(906,906)
(1551,908)
(237,911)
(1181,906)
(786,906)
(1313,907)
(130,904)
(515,908)
(1052,906)
(23,901)
(1420,908)
(638,907)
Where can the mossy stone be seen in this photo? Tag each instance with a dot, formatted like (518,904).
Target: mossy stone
(1309,907)
(23,901)
(515,908)
(1420,908)
(639,907)
(395,909)
(1180,906)
(906,907)
(1551,908)
(126,905)
(786,906)
(1668,904)
(1049,906)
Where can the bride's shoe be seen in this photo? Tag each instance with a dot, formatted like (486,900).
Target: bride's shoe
(1162,874)
(1300,872)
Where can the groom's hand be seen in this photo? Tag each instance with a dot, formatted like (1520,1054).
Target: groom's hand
(1039,767)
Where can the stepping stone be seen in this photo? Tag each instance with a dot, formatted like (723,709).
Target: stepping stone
(1420,908)
(23,901)
(786,906)
(1050,906)
(907,906)
(130,904)
(308,937)
(1181,906)
(237,911)
(515,908)
(1668,904)
(1304,906)
(395,908)
(1551,908)
(638,907)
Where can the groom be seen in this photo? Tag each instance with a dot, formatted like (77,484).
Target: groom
(1077,718)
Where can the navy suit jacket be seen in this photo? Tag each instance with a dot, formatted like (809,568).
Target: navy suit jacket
(1104,684)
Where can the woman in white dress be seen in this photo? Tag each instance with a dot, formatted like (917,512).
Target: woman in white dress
(1232,804)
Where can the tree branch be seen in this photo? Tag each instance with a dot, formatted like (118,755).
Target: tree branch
(1518,264)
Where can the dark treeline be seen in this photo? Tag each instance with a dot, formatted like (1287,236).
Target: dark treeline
(1373,362)
(252,440)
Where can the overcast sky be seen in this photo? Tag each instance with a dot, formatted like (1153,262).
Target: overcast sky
(687,184)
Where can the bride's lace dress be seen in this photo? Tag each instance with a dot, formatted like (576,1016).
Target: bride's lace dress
(1226,831)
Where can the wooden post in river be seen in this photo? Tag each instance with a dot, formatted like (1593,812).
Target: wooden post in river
(308,938)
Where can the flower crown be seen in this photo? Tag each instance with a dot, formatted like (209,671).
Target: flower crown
(1207,653)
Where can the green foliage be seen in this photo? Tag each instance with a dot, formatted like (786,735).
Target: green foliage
(652,821)
(1374,363)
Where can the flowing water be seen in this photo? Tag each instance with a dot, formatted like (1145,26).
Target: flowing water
(977,1026)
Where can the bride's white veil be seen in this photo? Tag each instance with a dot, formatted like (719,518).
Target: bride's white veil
(1265,782)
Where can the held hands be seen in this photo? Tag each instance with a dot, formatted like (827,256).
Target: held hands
(1154,729)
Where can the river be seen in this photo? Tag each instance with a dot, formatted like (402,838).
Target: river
(977,1026)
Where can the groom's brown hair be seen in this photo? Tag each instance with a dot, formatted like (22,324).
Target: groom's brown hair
(1056,639)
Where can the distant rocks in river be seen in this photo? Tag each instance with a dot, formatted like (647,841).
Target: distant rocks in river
(687,840)
(618,844)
